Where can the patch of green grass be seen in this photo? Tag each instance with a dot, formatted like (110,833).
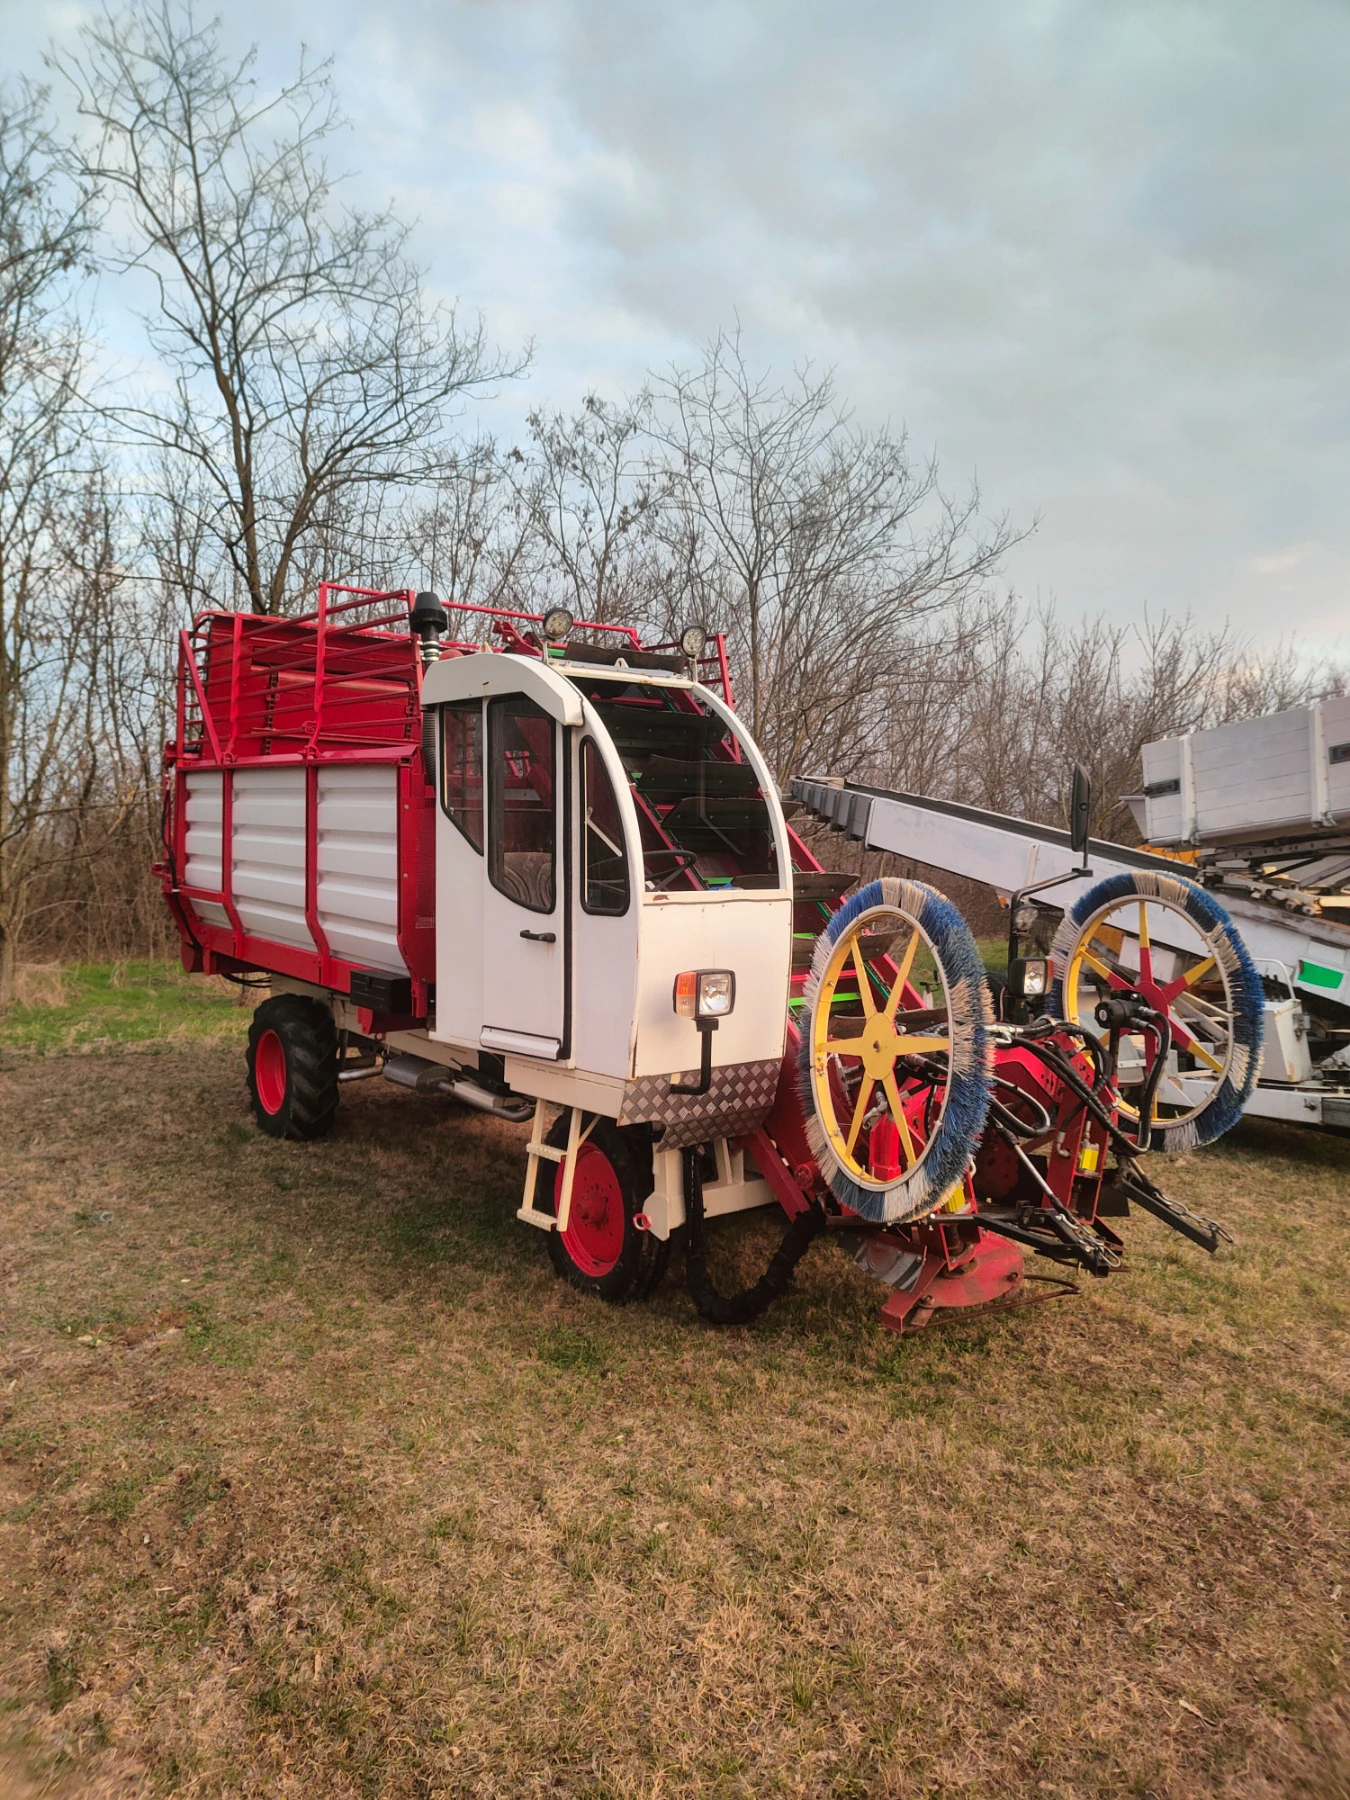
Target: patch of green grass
(95,1006)
(117,1500)
(566,1348)
(993,954)
(63,1679)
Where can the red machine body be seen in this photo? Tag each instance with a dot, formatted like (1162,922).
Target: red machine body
(340,689)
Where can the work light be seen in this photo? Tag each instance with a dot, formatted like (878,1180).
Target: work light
(705,993)
(693,641)
(558,623)
(1028,977)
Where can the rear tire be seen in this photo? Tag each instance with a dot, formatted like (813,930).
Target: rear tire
(292,1063)
(602,1251)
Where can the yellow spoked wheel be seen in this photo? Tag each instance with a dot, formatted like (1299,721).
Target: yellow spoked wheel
(895,1050)
(1167,941)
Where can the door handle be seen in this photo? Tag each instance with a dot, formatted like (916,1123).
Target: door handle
(541,937)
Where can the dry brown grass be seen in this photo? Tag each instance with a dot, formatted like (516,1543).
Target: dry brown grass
(40,984)
(315,1483)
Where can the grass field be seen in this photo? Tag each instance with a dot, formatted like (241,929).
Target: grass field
(91,1007)
(314,1482)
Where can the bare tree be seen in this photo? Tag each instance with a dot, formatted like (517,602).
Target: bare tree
(45,224)
(476,540)
(1012,697)
(814,542)
(309,371)
(594,497)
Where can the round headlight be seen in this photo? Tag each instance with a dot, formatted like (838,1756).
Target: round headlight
(693,641)
(558,622)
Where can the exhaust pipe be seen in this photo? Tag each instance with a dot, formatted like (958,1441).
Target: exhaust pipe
(435,1078)
(503,1106)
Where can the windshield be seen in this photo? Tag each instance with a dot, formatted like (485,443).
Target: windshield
(704,819)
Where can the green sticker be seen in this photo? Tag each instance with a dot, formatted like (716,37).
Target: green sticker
(1314,975)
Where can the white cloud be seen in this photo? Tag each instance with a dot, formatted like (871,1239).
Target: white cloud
(1098,254)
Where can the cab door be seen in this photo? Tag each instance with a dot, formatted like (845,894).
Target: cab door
(525,913)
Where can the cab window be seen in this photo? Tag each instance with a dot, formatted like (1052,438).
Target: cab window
(604,870)
(522,838)
(702,817)
(462,768)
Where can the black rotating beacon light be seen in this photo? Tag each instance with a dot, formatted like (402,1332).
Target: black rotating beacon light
(428,621)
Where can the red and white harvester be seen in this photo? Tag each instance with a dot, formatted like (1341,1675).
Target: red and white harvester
(554,879)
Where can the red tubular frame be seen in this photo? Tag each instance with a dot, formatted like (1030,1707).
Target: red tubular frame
(340,684)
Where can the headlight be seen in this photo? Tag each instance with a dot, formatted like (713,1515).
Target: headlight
(558,622)
(705,993)
(1029,977)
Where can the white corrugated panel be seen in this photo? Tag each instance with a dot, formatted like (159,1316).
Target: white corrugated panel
(269,854)
(1164,812)
(204,816)
(1336,732)
(1257,773)
(1275,774)
(358,864)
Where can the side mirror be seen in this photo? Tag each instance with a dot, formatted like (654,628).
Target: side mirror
(1080,810)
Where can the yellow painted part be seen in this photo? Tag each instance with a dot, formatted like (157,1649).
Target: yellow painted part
(877,1047)
(1201,968)
(1095,931)
(1180,856)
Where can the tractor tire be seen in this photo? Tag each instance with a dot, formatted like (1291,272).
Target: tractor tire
(292,1063)
(603,1252)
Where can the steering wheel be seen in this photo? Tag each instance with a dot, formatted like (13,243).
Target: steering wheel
(685,860)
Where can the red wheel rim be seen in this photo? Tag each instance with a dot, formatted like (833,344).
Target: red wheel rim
(597,1220)
(269,1072)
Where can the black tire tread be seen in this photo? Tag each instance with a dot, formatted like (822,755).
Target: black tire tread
(306,1029)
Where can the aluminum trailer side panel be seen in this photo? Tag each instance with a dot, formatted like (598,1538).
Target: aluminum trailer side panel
(1288,771)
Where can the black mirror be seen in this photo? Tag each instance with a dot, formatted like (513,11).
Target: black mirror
(1080,810)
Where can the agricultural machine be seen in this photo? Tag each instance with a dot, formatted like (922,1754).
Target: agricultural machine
(553,879)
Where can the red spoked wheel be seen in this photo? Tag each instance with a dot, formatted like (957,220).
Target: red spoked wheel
(292,1067)
(602,1251)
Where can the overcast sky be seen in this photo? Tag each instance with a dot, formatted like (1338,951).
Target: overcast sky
(1096,254)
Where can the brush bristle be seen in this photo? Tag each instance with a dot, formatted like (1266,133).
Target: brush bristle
(971,1056)
(1231,1095)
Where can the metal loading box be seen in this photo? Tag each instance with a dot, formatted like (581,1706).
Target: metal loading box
(1288,773)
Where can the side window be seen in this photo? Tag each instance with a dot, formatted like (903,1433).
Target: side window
(462,768)
(522,764)
(604,866)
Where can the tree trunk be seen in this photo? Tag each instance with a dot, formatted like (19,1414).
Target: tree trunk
(9,963)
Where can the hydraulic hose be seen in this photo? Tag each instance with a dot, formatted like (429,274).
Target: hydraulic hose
(741,1308)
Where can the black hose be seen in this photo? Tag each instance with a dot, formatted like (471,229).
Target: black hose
(1144,1130)
(1061,1066)
(1048,1026)
(741,1308)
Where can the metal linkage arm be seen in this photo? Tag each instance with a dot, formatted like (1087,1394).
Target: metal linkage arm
(1208,1233)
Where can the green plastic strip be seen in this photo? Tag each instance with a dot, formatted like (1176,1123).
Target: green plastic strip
(1314,975)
